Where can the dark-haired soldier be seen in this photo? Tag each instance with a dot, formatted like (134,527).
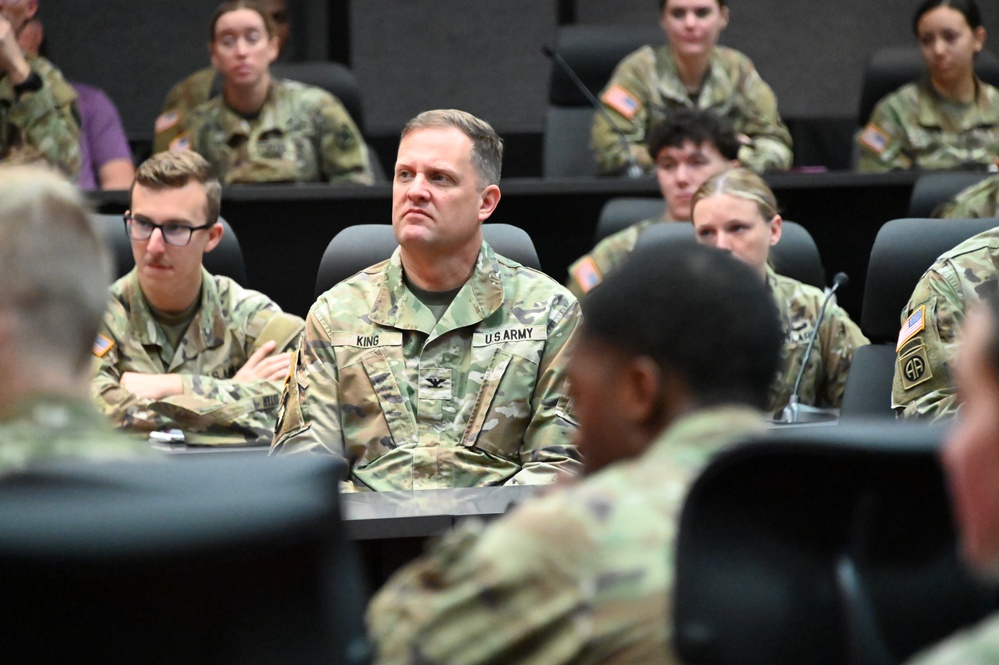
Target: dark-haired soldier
(688,148)
(583,574)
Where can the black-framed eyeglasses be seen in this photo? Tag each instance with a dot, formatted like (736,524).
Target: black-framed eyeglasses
(177,235)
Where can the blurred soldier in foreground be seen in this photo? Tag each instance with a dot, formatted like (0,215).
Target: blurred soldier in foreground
(971,459)
(661,380)
(52,296)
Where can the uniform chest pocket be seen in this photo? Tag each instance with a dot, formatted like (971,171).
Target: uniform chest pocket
(503,374)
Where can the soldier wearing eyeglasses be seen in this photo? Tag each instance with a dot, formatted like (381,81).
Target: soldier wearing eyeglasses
(181,348)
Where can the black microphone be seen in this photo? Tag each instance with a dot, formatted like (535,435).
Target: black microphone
(635,169)
(795,412)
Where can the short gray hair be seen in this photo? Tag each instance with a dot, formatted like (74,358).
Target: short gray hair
(487,146)
(56,268)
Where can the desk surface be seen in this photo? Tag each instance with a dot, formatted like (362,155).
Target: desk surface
(389,515)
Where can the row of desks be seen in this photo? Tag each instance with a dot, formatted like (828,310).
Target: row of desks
(284,229)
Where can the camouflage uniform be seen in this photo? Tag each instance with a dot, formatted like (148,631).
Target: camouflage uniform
(55,427)
(478,398)
(645,87)
(231,323)
(180,103)
(978,645)
(914,127)
(981,200)
(302,134)
(607,256)
(930,322)
(829,363)
(582,575)
(46,119)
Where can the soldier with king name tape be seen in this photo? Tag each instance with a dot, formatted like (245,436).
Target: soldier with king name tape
(445,365)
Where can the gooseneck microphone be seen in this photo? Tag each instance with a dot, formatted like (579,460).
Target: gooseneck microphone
(795,412)
(635,169)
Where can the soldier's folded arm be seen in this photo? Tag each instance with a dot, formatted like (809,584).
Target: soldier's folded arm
(548,449)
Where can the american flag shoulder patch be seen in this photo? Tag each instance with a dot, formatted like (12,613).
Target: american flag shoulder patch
(622,101)
(912,326)
(874,138)
(587,274)
(102,345)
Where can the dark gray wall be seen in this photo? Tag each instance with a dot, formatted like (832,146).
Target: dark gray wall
(811,53)
(410,55)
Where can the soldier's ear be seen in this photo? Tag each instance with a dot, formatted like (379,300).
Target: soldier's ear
(214,236)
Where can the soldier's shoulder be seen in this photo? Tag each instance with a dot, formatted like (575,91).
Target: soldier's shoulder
(733,60)
(794,290)
(977,247)
(985,188)
(522,282)
(353,295)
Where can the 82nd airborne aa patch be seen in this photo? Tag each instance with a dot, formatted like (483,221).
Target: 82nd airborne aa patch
(913,364)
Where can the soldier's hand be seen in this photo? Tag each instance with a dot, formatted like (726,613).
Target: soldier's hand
(262,365)
(12,61)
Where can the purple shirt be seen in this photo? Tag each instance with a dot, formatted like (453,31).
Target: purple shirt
(103,137)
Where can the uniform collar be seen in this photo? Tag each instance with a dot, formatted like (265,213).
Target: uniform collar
(233,124)
(396,306)
(716,85)
(984,110)
(207,329)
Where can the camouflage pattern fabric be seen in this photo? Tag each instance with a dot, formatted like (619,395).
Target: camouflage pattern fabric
(645,88)
(979,201)
(478,398)
(231,323)
(582,575)
(829,363)
(46,120)
(302,134)
(180,103)
(915,128)
(56,427)
(931,321)
(978,645)
(607,256)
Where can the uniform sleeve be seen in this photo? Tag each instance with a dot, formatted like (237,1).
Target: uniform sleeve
(343,153)
(124,409)
(489,596)
(548,448)
(882,143)
(841,337)
(48,119)
(248,406)
(770,140)
(309,419)
(626,100)
(922,384)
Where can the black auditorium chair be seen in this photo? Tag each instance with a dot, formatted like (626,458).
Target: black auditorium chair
(934,189)
(357,247)
(621,212)
(892,67)
(206,559)
(903,250)
(340,82)
(821,545)
(795,256)
(593,52)
(226,259)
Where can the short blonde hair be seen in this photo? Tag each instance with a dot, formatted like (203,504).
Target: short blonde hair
(743,184)
(167,170)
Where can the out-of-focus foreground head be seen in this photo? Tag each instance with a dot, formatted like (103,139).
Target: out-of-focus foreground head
(56,271)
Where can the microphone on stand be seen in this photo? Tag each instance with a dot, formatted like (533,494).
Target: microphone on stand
(795,412)
(635,169)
